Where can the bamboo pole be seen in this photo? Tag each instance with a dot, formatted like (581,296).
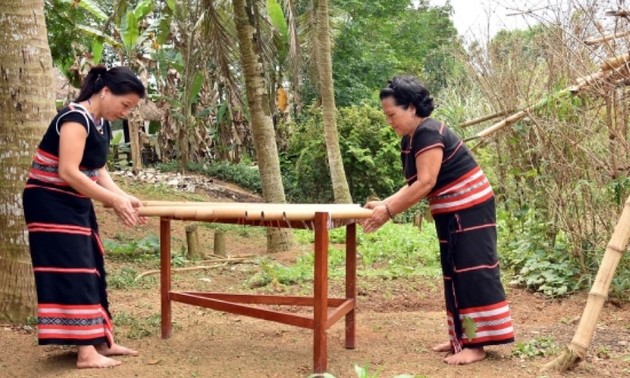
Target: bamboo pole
(485,118)
(251,211)
(595,41)
(590,79)
(615,62)
(581,83)
(575,352)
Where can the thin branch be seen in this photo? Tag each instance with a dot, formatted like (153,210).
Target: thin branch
(189,269)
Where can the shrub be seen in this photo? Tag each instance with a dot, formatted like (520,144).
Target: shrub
(370,153)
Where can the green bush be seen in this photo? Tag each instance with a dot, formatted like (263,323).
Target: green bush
(370,152)
(537,262)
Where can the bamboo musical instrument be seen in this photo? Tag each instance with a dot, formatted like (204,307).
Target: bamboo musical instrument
(250,211)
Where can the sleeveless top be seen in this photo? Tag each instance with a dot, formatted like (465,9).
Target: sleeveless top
(45,166)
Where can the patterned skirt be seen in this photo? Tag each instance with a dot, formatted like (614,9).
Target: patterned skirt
(67,256)
(477,311)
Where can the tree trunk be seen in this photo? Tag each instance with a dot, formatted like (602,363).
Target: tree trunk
(341,190)
(136,146)
(27,105)
(262,126)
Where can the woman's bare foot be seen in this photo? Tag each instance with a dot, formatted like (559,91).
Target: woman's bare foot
(115,350)
(88,358)
(466,356)
(444,347)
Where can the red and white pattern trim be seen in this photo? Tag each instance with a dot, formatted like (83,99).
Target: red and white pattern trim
(59,228)
(492,323)
(57,321)
(469,190)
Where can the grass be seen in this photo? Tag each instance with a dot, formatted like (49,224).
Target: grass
(125,279)
(137,328)
(395,251)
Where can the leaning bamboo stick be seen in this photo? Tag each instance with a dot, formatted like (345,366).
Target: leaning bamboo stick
(594,41)
(485,118)
(501,124)
(581,83)
(575,352)
(590,80)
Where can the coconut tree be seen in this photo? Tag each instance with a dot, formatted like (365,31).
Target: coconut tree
(261,121)
(27,104)
(323,61)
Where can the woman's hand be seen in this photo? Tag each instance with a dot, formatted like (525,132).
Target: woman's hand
(372,204)
(136,203)
(123,207)
(379,217)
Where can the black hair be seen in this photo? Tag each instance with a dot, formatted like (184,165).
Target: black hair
(119,80)
(407,90)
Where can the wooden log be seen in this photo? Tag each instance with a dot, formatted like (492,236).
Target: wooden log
(417,221)
(575,352)
(134,130)
(193,251)
(219,243)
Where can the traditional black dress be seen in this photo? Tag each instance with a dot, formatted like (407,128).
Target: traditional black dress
(462,204)
(66,250)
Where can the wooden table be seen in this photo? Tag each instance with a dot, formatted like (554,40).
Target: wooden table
(320,218)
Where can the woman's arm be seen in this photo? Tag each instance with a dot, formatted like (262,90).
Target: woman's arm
(71,146)
(105,180)
(428,166)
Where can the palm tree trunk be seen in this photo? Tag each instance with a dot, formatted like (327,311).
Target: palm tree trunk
(27,104)
(341,190)
(262,125)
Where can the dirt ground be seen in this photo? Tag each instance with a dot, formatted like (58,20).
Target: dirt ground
(397,323)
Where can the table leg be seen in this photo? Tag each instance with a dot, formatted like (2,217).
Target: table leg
(351,281)
(165,276)
(320,306)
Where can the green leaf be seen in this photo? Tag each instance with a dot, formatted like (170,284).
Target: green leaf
(129,31)
(171,5)
(222,112)
(274,10)
(361,371)
(196,86)
(164,29)
(90,30)
(97,50)
(90,6)
(470,328)
(143,8)
(117,138)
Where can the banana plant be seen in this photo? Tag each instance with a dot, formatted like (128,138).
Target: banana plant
(128,34)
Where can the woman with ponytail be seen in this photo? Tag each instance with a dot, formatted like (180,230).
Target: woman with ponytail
(68,172)
(439,167)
